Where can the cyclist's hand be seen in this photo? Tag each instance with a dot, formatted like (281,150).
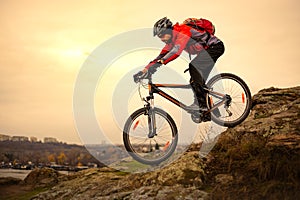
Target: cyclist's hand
(140,75)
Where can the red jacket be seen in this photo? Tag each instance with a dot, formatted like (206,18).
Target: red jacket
(184,38)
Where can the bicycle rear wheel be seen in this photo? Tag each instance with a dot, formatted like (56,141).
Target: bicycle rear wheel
(150,151)
(237,106)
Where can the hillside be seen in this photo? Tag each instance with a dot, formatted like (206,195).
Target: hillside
(258,159)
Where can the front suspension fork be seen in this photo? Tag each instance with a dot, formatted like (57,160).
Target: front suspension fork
(151,119)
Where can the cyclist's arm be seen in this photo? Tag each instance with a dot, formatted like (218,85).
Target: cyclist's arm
(179,45)
(163,52)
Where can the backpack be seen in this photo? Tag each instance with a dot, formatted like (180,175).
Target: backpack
(200,24)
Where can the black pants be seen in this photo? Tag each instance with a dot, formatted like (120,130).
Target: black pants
(201,66)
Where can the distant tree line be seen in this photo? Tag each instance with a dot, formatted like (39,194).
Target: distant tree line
(42,154)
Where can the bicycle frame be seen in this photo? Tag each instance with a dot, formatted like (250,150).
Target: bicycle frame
(154,88)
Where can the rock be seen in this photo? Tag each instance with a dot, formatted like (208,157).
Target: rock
(87,184)
(263,151)
(188,171)
(167,192)
(43,177)
(275,116)
(223,178)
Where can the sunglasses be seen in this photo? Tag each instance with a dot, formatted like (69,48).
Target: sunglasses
(161,35)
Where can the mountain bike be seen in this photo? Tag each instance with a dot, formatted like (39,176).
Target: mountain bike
(150,134)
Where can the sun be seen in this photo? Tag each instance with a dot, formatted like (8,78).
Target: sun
(72,53)
(71,56)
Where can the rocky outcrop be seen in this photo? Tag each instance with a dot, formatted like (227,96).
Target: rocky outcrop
(182,179)
(258,159)
(187,171)
(263,153)
(275,116)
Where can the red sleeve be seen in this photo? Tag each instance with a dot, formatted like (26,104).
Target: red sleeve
(163,52)
(179,45)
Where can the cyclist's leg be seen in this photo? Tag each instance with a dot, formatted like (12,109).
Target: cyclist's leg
(200,68)
(215,51)
(199,96)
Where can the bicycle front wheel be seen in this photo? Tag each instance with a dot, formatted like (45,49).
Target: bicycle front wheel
(150,151)
(237,106)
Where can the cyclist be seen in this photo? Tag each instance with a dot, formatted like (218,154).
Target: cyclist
(207,48)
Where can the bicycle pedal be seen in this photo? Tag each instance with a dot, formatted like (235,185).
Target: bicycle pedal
(196,118)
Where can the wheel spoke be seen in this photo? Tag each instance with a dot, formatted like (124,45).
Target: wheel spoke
(151,150)
(240,95)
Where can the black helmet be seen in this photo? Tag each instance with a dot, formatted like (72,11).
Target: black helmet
(161,26)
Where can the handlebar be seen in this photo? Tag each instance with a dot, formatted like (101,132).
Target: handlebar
(141,76)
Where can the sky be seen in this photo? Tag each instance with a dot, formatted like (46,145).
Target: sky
(43,45)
